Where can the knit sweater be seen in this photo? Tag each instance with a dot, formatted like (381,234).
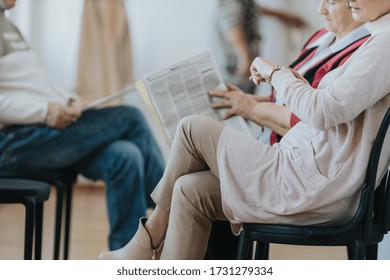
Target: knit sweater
(25,87)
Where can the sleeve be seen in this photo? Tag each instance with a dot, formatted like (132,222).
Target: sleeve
(15,110)
(363,83)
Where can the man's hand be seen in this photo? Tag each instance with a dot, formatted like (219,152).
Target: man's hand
(238,102)
(59,116)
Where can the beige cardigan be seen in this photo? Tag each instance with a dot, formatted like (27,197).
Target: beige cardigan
(314,175)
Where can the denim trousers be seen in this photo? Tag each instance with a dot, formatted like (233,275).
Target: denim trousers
(114,145)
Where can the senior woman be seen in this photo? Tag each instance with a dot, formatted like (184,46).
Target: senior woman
(313,176)
(326,50)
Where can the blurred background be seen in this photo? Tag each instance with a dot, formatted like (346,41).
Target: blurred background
(161,32)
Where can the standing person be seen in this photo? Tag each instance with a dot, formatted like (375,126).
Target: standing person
(326,50)
(313,176)
(237,37)
(43,129)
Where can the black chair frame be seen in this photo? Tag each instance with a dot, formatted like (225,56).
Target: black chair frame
(63,182)
(361,234)
(32,195)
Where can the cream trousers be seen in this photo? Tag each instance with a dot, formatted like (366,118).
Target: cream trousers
(190,188)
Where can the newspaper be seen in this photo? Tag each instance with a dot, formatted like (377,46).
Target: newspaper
(101,101)
(182,89)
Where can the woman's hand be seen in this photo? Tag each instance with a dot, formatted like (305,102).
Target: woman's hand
(238,102)
(261,68)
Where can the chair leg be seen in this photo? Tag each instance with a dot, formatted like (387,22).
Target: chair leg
(30,207)
(244,247)
(68,213)
(262,251)
(372,252)
(38,231)
(356,250)
(58,220)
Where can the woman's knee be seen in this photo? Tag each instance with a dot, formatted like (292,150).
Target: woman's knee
(198,190)
(196,124)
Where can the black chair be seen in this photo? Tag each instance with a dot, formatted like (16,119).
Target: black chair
(63,182)
(361,235)
(223,244)
(32,195)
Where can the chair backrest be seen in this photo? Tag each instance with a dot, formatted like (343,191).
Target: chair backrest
(374,205)
(377,212)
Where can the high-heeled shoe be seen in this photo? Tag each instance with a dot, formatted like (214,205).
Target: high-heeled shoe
(138,248)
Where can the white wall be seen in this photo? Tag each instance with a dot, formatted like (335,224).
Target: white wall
(281,42)
(164,32)
(168,31)
(52,28)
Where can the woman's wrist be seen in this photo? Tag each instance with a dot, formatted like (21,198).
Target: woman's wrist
(268,77)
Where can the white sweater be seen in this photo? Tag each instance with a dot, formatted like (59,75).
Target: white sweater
(25,87)
(26,90)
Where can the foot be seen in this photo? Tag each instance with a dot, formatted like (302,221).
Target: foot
(138,248)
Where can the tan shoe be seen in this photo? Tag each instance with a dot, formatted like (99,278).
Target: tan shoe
(138,248)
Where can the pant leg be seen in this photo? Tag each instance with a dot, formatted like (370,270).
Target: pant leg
(38,147)
(121,166)
(84,146)
(194,148)
(196,203)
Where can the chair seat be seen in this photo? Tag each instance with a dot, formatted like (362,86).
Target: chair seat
(49,176)
(63,181)
(15,188)
(32,195)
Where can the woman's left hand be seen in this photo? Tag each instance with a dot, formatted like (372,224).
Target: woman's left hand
(260,68)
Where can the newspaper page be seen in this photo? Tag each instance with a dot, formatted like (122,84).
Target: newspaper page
(182,90)
(101,101)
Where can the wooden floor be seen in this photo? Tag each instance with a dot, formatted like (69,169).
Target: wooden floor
(89,231)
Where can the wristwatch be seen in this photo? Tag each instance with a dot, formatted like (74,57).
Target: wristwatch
(268,77)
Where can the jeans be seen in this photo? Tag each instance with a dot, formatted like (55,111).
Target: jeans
(114,145)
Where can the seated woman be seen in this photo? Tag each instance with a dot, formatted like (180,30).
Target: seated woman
(326,50)
(313,176)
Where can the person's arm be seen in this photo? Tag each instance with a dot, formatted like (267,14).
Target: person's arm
(276,117)
(343,99)
(236,37)
(59,116)
(259,109)
(14,110)
(287,18)
(229,21)
(18,110)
